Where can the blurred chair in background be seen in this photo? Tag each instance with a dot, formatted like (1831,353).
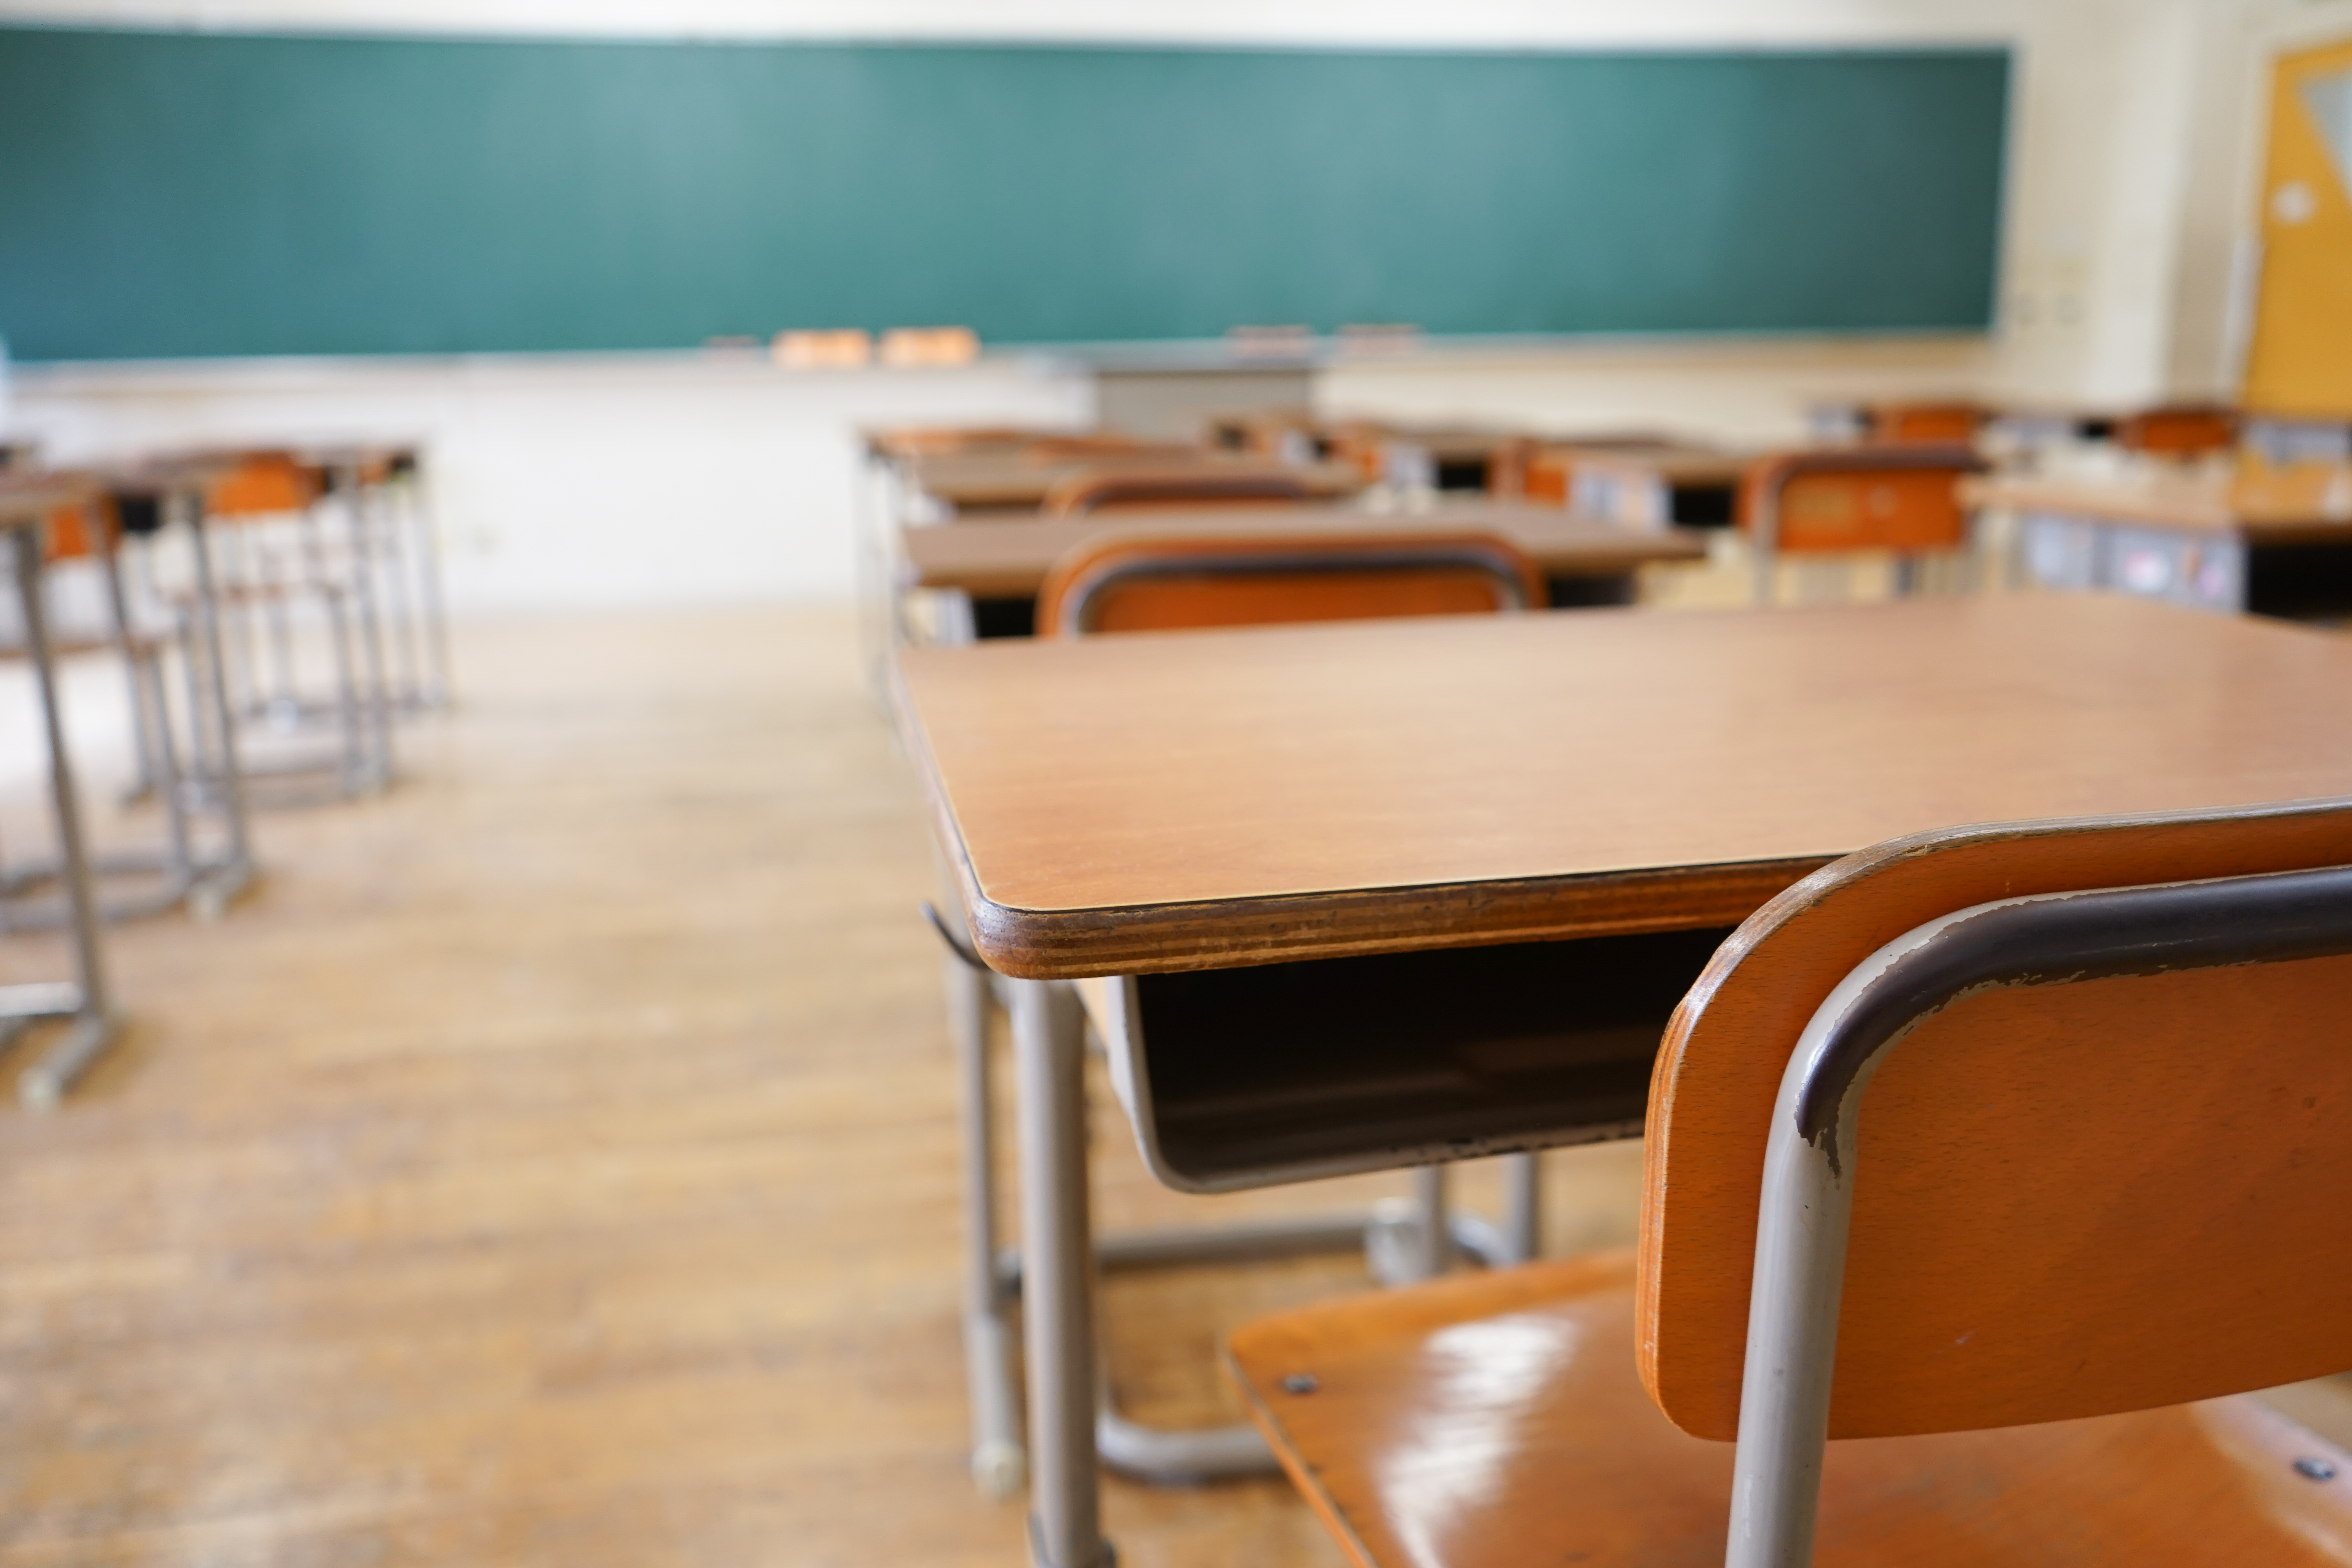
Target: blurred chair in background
(1897,499)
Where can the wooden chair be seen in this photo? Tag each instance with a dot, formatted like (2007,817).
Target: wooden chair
(1900,498)
(1128,583)
(2047,1127)
(2180,431)
(1132,583)
(1138,487)
(1946,424)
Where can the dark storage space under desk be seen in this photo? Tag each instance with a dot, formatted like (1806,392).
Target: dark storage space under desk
(1286,1072)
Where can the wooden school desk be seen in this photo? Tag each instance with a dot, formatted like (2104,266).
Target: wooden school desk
(999,566)
(1491,854)
(25,505)
(2267,541)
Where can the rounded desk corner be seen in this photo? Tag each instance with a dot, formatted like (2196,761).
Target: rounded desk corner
(1009,940)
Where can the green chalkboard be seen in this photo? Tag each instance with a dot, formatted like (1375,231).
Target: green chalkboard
(168,195)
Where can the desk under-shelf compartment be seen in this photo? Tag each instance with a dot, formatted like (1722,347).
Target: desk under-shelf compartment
(1283,1072)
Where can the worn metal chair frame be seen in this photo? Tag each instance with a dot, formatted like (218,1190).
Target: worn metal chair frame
(1810,1163)
(1764,532)
(1404,1243)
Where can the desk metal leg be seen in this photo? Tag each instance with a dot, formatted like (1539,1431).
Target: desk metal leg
(46,1081)
(1523,1207)
(428,589)
(998,1465)
(209,708)
(1058,1277)
(358,522)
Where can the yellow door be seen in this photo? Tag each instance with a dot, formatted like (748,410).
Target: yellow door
(2301,358)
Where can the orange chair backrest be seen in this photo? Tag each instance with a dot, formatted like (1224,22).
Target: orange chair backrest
(1549,476)
(263,484)
(1045,450)
(1896,496)
(1137,488)
(77,532)
(2179,432)
(2070,1200)
(1946,423)
(1134,583)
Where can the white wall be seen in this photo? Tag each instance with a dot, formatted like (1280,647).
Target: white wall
(2105,273)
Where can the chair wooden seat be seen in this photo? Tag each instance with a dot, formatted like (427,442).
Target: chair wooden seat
(1499,1419)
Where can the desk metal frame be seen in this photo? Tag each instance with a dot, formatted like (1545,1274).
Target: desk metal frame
(85,1000)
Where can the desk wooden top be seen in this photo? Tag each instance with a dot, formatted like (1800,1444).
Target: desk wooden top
(1446,443)
(1009,559)
(2278,506)
(28,497)
(1019,481)
(1678,462)
(1202,799)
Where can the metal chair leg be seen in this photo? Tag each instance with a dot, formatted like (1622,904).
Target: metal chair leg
(1523,1207)
(999,1464)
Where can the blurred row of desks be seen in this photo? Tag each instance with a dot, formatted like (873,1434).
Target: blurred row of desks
(1588,560)
(2242,539)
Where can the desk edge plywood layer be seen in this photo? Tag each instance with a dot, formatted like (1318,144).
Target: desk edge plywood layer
(1626,887)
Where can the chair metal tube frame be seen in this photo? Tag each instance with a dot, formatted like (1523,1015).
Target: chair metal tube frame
(88,1001)
(1803,1220)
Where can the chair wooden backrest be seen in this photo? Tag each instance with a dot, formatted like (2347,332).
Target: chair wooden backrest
(1949,424)
(1160,583)
(75,533)
(1899,497)
(2114,1192)
(1130,487)
(2184,430)
(264,484)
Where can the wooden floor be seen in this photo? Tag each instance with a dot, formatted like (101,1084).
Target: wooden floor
(553,1163)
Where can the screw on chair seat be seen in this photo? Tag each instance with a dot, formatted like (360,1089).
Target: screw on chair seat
(1498,1421)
